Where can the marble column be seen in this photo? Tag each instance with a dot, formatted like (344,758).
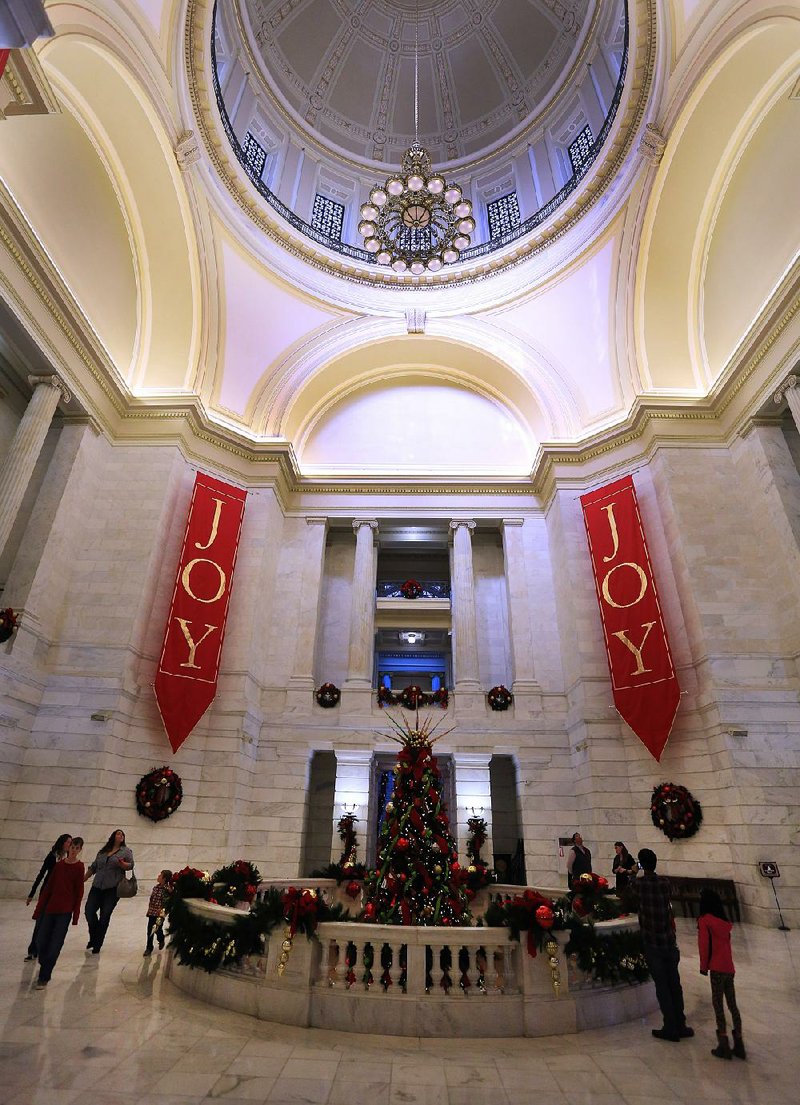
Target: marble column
(362,609)
(351,795)
(790,391)
(465,631)
(25,448)
(519,621)
(473,796)
(302,678)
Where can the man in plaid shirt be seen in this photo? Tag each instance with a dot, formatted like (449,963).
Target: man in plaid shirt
(657,925)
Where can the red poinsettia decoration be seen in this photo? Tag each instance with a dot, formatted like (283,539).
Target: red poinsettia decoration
(411,589)
(301,910)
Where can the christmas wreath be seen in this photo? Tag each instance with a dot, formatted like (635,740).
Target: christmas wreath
(8,623)
(236,882)
(500,698)
(159,793)
(675,811)
(411,589)
(328,695)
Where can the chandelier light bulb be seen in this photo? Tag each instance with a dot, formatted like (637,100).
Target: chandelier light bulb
(463,209)
(417,267)
(366,228)
(399,265)
(436,185)
(378,197)
(372,245)
(453,195)
(383,257)
(450,256)
(416,183)
(394,186)
(434,264)
(466,226)
(369,212)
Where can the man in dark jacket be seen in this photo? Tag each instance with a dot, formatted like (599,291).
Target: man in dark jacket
(579,860)
(657,924)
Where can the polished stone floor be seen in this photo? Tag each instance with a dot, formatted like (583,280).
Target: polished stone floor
(109,1030)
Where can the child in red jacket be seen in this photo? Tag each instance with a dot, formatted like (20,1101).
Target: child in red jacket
(714,942)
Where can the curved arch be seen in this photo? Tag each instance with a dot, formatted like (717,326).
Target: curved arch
(716,125)
(503,368)
(127,129)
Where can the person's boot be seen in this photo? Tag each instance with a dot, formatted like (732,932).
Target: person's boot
(723,1048)
(738,1046)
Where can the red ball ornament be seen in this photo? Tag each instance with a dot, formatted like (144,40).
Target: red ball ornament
(455,867)
(402,844)
(545,917)
(369,911)
(601,882)
(353,889)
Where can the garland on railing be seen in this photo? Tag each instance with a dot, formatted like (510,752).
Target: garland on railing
(412,697)
(612,958)
(236,882)
(210,945)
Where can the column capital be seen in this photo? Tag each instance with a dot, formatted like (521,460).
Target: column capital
(469,523)
(357,523)
(789,383)
(52,381)
(508,522)
(316,520)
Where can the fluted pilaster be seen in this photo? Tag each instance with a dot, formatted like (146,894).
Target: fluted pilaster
(26,446)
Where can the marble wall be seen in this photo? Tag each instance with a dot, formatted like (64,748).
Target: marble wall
(92,569)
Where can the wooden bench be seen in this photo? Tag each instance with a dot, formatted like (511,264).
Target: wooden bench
(685,892)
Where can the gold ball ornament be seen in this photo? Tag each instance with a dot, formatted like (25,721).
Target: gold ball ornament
(390,807)
(472,869)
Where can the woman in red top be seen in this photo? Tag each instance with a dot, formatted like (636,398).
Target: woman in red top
(714,943)
(59,901)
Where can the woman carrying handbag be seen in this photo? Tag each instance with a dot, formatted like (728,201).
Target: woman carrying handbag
(108,869)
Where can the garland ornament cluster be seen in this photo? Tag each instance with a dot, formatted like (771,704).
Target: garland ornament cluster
(499,698)
(159,793)
(411,589)
(675,811)
(328,695)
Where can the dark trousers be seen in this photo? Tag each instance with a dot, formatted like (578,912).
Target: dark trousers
(155,927)
(52,933)
(100,904)
(33,947)
(722,986)
(663,965)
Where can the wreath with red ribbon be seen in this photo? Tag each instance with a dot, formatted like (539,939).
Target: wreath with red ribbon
(675,811)
(159,793)
(411,589)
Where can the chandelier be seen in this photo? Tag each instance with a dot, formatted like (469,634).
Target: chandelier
(416,220)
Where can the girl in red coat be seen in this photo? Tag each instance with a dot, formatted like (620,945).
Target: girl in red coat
(59,902)
(714,942)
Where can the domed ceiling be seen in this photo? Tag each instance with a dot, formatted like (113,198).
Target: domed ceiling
(346,67)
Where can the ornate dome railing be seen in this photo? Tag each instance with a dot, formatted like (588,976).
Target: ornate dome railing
(473,252)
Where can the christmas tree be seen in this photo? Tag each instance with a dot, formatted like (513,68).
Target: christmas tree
(417,878)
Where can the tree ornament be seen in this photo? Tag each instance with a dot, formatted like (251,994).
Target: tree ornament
(545,916)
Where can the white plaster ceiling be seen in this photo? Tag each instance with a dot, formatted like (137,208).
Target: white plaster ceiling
(347,67)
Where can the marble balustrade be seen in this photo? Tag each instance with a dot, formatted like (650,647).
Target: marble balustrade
(425,981)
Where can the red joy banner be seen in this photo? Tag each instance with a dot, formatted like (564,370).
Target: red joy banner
(3,60)
(643,679)
(186,680)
